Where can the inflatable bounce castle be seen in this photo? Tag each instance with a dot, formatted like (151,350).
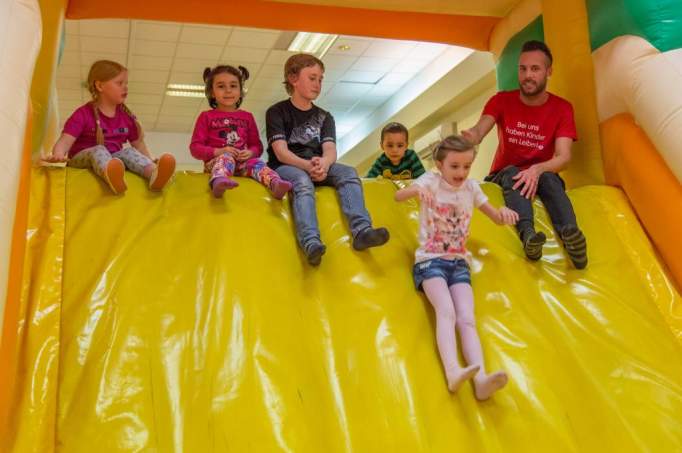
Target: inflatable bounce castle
(126,328)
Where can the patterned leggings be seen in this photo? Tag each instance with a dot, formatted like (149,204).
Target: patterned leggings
(225,166)
(99,156)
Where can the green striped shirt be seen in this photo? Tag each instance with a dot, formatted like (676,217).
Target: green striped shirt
(409,167)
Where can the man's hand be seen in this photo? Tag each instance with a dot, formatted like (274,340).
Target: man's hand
(527,180)
(471,135)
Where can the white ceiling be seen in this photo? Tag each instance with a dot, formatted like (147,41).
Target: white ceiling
(357,80)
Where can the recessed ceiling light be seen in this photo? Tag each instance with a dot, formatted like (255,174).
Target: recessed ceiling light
(344,47)
(315,43)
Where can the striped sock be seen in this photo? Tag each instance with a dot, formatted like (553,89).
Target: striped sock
(575,244)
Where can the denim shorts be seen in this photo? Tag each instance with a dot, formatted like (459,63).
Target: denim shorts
(452,271)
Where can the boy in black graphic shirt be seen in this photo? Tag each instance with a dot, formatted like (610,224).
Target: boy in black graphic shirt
(302,149)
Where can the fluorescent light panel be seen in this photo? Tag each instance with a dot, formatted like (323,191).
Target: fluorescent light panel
(185,86)
(315,43)
(185,94)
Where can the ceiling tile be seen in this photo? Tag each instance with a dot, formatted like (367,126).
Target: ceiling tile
(199,51)
(196,66)
(149,76)
(69,83)
(148,62)
(279,56)
(112,28)
(69,71)
(66,94)
(72,27)
(426,50)
(70,58)
(237,55)
(140,87)
(374,64)
(389,48)
(357,46)
(339,62)
(194,78)
(205,35)
(155,31)
(135,99)
(362,76)
(271,71)
(105,45)
(348,92)
(153,48)
(255,39)
(72,43)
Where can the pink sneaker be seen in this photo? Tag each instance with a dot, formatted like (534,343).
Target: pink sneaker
(279,188)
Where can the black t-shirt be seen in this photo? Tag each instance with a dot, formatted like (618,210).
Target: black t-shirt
(303,130)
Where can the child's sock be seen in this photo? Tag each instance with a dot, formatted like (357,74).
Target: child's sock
(457,375)
(370,237)
(532,244)
(162,173)
(576,245)
(279,188)
(114,176)
(487,384)
(220,184)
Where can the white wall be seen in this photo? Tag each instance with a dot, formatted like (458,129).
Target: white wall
(175,143)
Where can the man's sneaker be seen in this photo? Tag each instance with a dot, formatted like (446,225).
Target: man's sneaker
(114,175)
(314,251)
(576,245)
(162,173)
(370,237)
(532,245)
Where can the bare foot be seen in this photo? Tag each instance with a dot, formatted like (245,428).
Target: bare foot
(486,385)
(457,375)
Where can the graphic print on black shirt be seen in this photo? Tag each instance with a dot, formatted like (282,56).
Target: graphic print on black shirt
(309,133)
(304,130)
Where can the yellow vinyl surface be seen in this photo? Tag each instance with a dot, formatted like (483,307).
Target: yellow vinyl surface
(182,323)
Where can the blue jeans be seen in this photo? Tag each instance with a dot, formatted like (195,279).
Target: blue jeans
(452,271)
(346,182)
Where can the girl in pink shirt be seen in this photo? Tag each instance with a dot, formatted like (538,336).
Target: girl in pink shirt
(226,138)
(95,134)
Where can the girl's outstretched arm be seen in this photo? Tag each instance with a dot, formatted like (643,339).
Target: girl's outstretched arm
(61,148)
(501,216)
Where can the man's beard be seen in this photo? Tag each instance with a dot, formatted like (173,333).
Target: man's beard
(539,88)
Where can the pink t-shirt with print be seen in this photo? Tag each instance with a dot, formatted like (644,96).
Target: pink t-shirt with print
(117,130)
(444,226)
(217,129)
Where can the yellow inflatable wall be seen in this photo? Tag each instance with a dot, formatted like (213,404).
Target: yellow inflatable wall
(177,322)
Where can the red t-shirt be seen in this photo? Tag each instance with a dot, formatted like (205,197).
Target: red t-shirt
(527,133)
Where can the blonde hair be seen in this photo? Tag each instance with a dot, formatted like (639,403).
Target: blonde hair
(451,143)
(103,71)
(295,64)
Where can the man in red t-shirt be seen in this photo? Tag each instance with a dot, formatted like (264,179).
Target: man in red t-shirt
(535,130)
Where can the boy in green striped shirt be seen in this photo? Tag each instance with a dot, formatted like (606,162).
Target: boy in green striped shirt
(396,162)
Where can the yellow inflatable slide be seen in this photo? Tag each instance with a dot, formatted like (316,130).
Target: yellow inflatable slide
(176,322)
